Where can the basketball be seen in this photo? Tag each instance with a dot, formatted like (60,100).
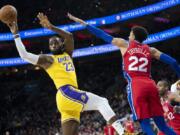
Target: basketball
(8,14)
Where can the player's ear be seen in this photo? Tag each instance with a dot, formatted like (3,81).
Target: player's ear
(133,36)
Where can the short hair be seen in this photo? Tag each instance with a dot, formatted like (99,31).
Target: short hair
(56,37)
(140,33)
(165,82)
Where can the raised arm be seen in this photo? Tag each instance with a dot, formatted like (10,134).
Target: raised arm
(67,36)
(41,60)
(166,59)
(119,42)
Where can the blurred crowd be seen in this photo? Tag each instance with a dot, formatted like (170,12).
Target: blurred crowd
(28,105)
(27,96)
(57,10)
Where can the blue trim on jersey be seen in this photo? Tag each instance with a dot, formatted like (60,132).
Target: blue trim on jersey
(130,97)
(77,96)
(129,91)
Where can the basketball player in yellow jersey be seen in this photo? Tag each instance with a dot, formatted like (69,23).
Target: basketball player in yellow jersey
(70,100)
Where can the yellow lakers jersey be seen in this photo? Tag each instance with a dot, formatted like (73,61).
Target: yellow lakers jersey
(62,71)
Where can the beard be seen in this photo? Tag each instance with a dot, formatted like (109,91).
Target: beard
(58,51)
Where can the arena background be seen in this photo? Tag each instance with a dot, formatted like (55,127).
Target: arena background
(27,96)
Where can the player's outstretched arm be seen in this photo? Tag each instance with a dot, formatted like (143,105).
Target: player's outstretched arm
(67,36)
(40,60)
(100,33)
(31,58)
(166,59)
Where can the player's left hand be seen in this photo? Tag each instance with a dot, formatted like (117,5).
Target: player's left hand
(78,20)
(44,21)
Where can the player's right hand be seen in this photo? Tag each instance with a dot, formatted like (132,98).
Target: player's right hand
(13,27)
(78,20)
(44,21)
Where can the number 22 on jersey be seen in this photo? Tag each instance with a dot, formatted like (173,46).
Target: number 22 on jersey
(135,66)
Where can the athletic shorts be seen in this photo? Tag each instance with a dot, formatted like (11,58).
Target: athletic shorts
(143,98)
(70,102)
(176,131)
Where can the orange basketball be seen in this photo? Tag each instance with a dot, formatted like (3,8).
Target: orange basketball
(8,14)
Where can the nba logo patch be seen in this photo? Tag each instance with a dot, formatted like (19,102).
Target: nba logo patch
(83,98)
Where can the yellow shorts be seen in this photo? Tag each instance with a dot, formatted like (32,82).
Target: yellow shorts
(70,102)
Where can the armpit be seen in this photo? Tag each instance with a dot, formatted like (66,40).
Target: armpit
(45,61)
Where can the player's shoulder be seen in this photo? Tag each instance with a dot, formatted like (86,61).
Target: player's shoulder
(120,42)
(46,56)
(45,60)
(153,49)
(155,53)
(65,54)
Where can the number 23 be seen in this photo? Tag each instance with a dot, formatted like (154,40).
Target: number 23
(69,66)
